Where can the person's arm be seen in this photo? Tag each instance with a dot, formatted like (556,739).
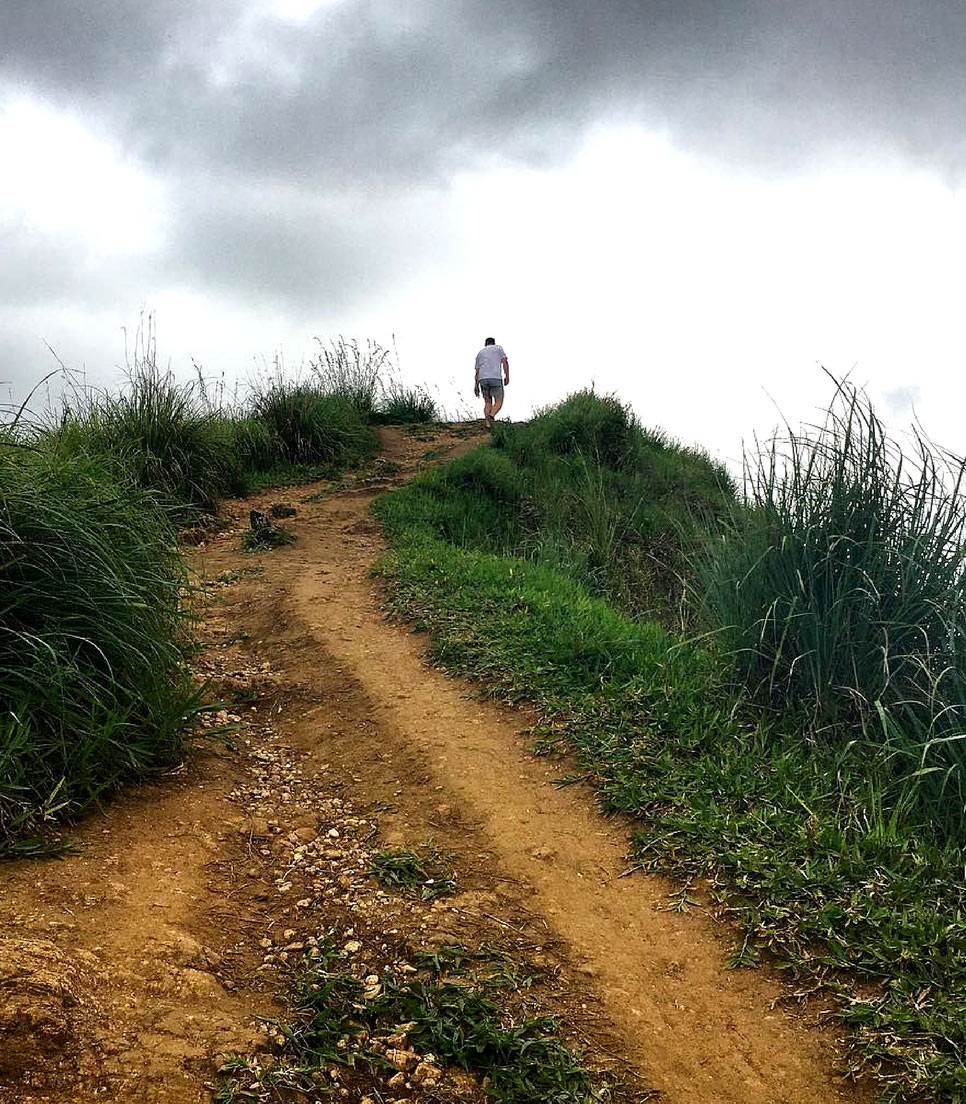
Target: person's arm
(506,371)
(476,378)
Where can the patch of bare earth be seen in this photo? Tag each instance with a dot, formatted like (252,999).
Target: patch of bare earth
(128,970)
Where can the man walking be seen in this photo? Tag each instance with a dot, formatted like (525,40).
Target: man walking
(492,375)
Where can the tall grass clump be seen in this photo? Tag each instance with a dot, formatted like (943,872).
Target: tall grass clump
(93,692)
(367,376)
(299,423)
(399,404)
(191,448)
(841,591)
(155,430)
(352,371)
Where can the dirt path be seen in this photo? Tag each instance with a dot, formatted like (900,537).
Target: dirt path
(153,951)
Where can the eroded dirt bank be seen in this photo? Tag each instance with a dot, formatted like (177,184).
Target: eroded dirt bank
(126,970)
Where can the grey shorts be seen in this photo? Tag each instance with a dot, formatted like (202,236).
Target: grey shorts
(492,389)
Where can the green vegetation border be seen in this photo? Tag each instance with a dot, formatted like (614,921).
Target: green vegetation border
(795,839)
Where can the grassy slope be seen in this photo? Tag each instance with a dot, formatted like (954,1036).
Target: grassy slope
(797,839)
(92,679)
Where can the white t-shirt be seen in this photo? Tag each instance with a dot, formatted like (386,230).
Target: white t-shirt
(489,362)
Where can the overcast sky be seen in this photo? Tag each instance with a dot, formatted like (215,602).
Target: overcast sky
(693,203)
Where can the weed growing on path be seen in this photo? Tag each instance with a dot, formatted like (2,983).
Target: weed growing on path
(227,578)
(424,873)
(418,1027)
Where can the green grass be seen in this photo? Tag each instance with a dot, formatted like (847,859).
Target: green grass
(840,594)
(422,872)
(402,405)
(94,689)
(156,433)
(170,438)
(818,848)
(309,426)
(353,371)
(159,433)
(518,1060)
(806,846)
(584,487)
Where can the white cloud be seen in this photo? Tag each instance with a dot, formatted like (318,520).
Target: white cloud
(63,180)
(299,11)
(703,297)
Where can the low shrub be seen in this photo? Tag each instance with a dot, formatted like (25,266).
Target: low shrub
(265,538)
(585,423)
(464,1020)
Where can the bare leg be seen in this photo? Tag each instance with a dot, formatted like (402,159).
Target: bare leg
(496,407)
(488,410)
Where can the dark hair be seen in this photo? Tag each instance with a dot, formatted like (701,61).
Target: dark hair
(490,341)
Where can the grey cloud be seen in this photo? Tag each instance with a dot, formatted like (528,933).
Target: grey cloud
(373,91)
(308,164)
(103,48)
(288,248)
(18,348)
(38,268)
